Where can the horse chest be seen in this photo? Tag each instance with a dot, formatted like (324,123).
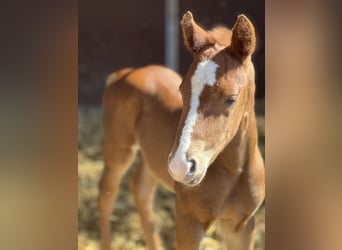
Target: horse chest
(208,200)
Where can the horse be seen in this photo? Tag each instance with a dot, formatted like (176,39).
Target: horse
(197,137)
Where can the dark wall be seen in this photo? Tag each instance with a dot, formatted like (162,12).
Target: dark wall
(130,33)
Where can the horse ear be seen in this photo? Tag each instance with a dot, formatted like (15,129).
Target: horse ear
(243,38)
(195,38)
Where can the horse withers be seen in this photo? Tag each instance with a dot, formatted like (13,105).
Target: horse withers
(200,142)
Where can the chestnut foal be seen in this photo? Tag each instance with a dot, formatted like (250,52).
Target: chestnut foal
(215,163)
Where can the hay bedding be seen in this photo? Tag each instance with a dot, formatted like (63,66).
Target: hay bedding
(127,229)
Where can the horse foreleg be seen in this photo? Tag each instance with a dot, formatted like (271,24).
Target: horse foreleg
(189,231)
(239,237)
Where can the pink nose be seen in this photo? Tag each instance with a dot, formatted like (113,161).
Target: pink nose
(181,169)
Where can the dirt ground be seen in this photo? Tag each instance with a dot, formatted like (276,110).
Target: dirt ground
(127,229)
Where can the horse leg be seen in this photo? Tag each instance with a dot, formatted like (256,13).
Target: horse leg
(189,231)
(120,112)
(143,186)
(116,164)
(241,238)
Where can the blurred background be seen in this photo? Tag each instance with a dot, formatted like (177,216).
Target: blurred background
(131,33)
(117,34)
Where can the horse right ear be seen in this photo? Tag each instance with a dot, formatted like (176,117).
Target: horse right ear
(195,38)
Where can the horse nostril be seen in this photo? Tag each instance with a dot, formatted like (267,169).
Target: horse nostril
(192,168)
(169,158)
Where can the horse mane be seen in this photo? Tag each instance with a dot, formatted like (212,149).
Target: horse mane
(221,35)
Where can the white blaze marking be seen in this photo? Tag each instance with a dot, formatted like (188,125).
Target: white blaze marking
(205,74)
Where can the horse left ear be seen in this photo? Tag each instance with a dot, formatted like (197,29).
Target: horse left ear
(243,38)
(195,38)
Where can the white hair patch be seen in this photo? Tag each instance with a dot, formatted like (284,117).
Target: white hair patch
(205,74)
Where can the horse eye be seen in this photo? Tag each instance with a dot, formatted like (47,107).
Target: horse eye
(230,100)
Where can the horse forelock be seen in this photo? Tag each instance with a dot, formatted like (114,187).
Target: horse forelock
(221,35)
